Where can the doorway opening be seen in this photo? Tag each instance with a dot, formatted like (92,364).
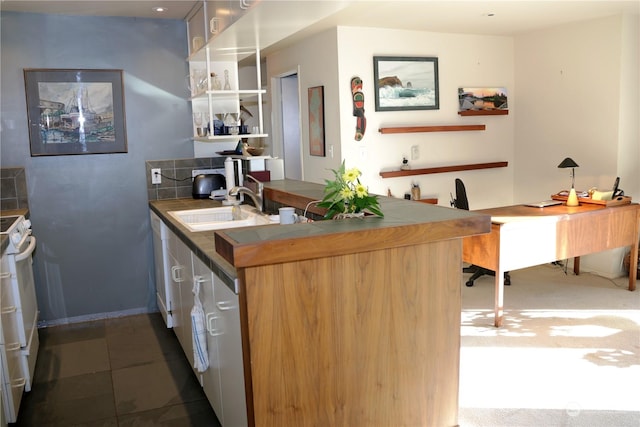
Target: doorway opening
(286,124)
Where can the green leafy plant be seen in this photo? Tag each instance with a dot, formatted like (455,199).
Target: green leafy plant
(346,196)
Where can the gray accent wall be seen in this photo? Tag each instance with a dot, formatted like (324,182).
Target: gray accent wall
(90,212)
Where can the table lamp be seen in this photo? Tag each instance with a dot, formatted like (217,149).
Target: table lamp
(572,200)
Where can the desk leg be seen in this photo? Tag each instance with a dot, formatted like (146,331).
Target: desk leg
(633,267)
(499,298)
(576,265)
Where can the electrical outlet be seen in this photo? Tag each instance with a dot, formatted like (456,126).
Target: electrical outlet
(415,152)
(156,177)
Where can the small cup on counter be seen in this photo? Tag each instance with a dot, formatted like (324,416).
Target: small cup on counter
(287,215)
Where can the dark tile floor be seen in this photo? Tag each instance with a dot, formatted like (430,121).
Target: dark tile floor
(128,371)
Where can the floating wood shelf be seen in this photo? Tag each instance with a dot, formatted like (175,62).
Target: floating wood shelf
(431,201)
(412,129)
(483,112)
(443,169)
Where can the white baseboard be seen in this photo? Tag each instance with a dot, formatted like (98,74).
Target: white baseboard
(95,316)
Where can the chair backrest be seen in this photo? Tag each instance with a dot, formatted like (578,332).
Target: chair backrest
(461,201)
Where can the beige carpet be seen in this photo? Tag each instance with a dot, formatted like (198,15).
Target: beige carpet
(567,355)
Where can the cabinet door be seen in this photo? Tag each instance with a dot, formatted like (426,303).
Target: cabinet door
(230,349)
(210,379)
(182,281)
(162,267)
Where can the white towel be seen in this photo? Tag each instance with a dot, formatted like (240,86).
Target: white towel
(198,331)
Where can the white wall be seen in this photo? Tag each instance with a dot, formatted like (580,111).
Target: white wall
(629,151)
(578,97)
(463,61)
(568,81)
(315,60)
(573,92)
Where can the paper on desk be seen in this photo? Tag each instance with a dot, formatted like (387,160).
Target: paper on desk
(578,193)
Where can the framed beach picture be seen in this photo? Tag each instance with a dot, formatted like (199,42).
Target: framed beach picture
(406,83)
(75,111)
(482,101)
(316,121)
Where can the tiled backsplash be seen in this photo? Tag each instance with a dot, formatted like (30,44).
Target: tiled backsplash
(13,189)
(178,185)
(176,179)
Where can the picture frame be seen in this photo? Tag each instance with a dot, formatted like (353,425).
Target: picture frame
(316,121)
(483,101)
(75,111)
(406,83)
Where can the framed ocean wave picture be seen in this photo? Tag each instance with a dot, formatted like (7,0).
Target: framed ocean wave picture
(406,83)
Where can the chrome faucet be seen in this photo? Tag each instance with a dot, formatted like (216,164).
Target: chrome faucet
(260,185)
(257,198)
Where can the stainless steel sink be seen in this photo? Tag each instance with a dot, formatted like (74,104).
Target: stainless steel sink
(220,218)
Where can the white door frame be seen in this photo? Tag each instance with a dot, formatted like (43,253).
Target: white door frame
(277,120)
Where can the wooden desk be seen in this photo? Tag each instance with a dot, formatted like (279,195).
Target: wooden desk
(523,236)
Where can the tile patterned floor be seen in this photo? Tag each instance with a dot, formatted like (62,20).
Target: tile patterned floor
(128,371)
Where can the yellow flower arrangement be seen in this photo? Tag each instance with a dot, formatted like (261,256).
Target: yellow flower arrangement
(347,196)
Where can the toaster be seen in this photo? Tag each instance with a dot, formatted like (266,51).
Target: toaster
(204,184)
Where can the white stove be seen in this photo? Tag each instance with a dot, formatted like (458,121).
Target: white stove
(19,340)
(18,229)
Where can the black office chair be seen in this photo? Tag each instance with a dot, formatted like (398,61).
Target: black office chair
(462,202)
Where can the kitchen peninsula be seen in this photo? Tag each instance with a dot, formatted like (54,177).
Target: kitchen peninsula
(349,322)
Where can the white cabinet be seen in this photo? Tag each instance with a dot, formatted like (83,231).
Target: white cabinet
(182,282)
(164,289)
(210,379)
(226,326)
(223,381)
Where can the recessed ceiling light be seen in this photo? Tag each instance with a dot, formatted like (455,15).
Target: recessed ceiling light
(160,9)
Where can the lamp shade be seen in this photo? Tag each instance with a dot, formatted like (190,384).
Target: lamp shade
(568,163)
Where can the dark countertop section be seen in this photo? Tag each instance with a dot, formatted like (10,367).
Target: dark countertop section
(405,223)
(4,240)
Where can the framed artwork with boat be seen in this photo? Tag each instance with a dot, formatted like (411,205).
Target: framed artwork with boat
(75,111)
(406,83)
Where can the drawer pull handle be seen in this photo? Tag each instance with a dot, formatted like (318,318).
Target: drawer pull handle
(18,382)
(225,305)
(8,310)
(211,317)
(13,347)
(174,274)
